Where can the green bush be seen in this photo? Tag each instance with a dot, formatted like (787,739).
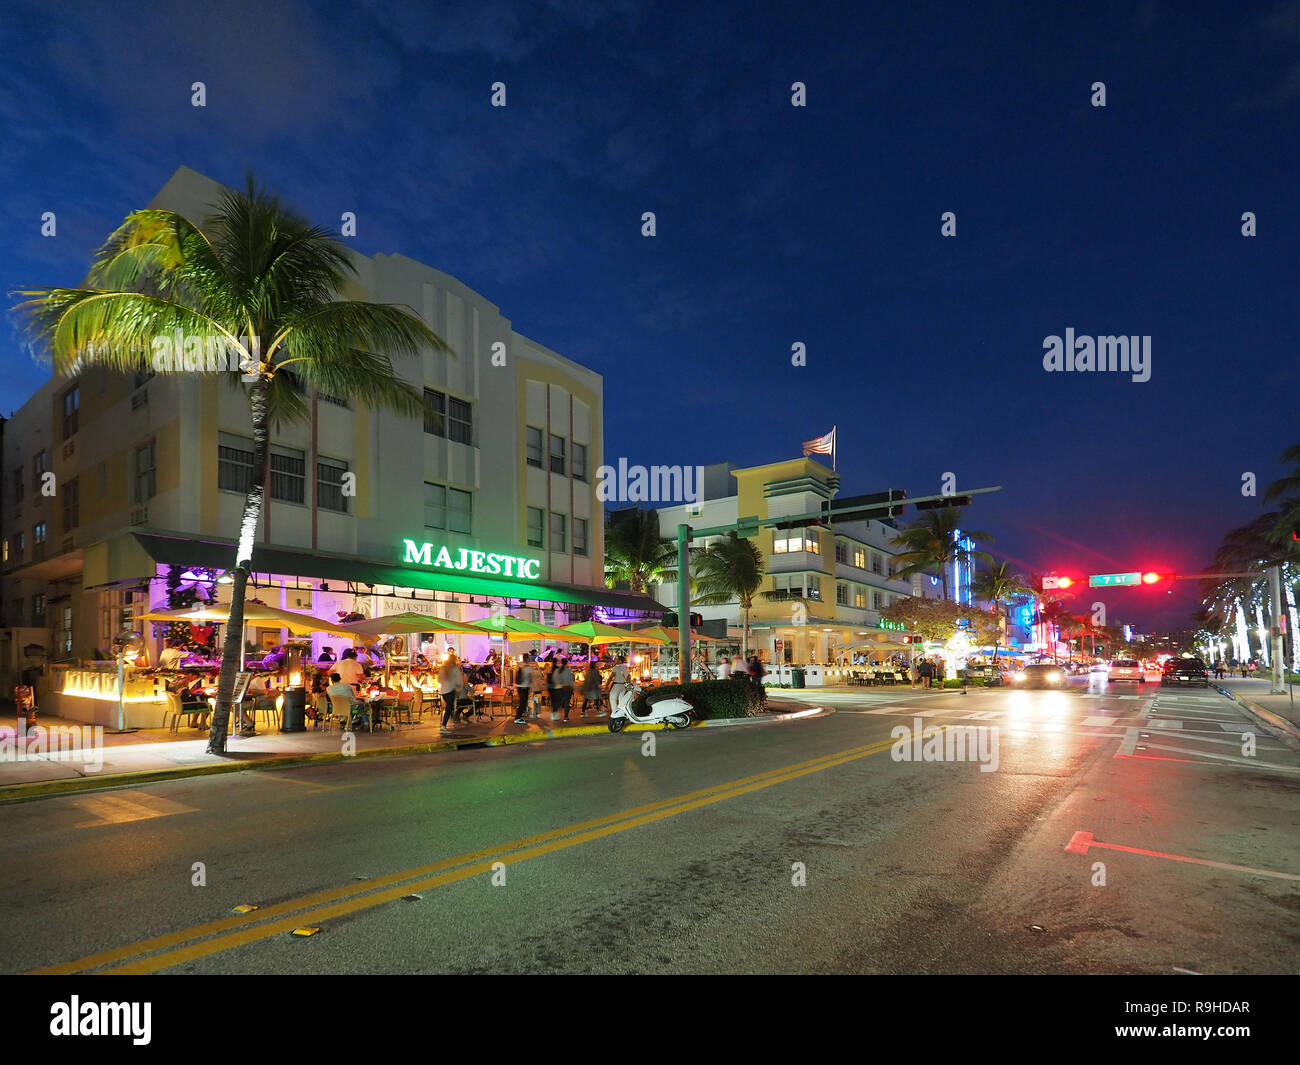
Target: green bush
(713,699)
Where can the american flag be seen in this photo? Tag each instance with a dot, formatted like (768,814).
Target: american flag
(820,445)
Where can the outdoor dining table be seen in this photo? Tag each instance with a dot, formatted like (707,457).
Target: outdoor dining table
(384,709)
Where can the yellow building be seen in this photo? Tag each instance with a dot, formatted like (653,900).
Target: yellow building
(824,587)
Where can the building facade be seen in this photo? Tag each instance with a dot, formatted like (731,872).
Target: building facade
(824,588)
(110,480)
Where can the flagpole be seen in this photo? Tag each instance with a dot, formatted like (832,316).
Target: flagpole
(834,442)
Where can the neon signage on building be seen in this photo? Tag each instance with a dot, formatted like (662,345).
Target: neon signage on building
(467,560)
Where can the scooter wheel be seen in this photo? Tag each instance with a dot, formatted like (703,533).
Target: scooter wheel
(679,721)
(617,724)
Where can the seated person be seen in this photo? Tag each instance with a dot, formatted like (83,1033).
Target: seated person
(359,711)
(326,654)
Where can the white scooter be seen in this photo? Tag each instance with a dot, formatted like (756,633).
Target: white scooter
(671,710)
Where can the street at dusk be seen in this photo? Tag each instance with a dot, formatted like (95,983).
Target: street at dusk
(630,489)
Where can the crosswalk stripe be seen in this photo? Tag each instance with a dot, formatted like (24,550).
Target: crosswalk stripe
(124,806)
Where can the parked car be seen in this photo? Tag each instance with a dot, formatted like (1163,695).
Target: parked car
(1127,669)
(1041,676)
(1185,671)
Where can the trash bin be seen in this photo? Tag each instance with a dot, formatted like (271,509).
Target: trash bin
(796,677)
(293,710)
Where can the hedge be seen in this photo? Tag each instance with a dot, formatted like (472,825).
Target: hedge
(712,699)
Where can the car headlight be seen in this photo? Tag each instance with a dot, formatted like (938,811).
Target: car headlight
(1054,676)
(1018,678)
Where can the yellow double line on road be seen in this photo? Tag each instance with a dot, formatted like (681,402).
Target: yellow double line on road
(215,936)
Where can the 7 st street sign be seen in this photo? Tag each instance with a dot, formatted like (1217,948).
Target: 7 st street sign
(1108,580)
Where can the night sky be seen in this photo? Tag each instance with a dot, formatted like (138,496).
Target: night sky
(776,224)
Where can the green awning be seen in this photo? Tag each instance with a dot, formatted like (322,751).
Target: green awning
(220,554)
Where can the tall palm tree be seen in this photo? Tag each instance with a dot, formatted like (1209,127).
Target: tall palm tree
(1287,489)
(930,544)
(263,281)
(729,570)
(998,585)
(635,554)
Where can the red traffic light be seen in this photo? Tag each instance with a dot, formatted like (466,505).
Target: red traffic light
(1065,582)
(1150,578)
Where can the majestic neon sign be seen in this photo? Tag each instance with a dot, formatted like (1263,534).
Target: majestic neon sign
(471,561)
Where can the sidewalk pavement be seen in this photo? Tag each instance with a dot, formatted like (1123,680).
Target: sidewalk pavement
(118,759)
(1280,711)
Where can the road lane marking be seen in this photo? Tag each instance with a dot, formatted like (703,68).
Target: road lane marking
(1098,719)
(487,854)
(1164,722)
(368,901)
(118,808)
(1081,841)
(1130,742)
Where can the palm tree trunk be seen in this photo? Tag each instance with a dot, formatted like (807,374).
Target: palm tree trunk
(744,635)
(243,564)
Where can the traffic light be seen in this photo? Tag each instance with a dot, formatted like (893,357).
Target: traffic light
(864,508)
(1150,578)
(1053,582)
(907,638)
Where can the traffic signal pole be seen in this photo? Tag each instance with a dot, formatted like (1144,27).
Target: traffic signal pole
(748,527)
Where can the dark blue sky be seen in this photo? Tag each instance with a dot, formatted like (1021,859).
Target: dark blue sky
(776,224)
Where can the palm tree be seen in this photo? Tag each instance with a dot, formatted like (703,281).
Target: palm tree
(999,586)
(259,279)
(930,544)
(729,570)
(1054,614)
(1287,489)
(635,554)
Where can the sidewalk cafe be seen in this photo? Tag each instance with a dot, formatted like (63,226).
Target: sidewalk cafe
(304,613)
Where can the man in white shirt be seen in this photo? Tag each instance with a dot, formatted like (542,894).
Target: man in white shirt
(350,669)
(172,655)
(619,678)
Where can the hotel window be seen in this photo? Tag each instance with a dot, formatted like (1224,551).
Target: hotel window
(71,505)
(798,542)
(329,485)
(536,520)
(288,475)
(234,463)
(435,416)
(557,532)
(579,462)
(534,439)
(38,611)
(460,422)
(842,595)
(20,543)
(38,533)
(16,612)
(841,553)
(18,484)
(145,474)
(67,630)
(877,600)
(814,590)
(860,598)
(141,377)
(39,466)
(71,405)
(876,565)
(448,417)
(448,508)
(859,558)
(5,558)
(580,546)
(557,454)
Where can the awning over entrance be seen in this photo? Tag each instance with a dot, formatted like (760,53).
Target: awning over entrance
(131,558)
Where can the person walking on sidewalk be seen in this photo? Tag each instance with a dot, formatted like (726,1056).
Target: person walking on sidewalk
(590,688)
(561,682)
(450,679)
(619,678)
(523,687)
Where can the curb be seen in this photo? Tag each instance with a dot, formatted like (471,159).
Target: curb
(1289,733)
(15,793)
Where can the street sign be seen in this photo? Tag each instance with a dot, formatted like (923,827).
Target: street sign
(1110,580)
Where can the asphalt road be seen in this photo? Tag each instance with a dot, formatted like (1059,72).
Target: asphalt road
(610,860)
